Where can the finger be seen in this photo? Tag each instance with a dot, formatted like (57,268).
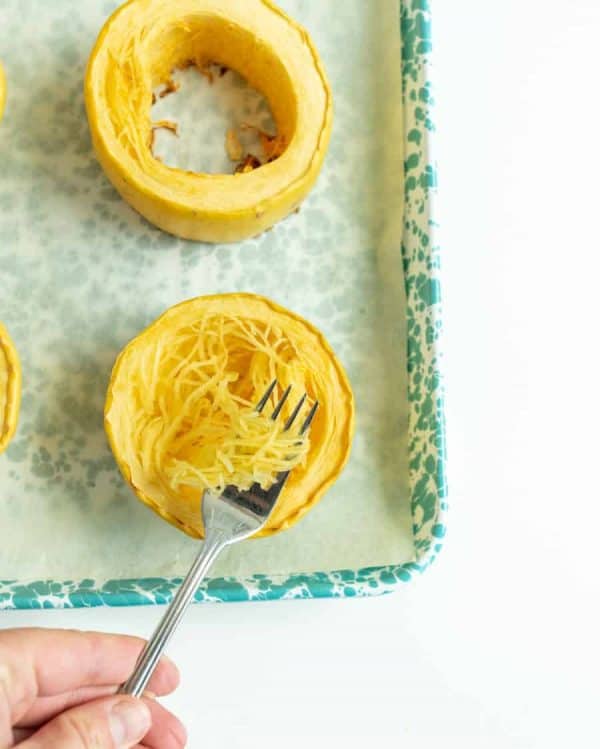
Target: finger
(39,663)
(167,731)
(20,734)
(24,733)
(112,723)
(46,708)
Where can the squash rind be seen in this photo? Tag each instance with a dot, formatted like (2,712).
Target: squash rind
(2,91)
(10,382)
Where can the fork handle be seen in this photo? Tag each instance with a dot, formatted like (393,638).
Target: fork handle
(154,648)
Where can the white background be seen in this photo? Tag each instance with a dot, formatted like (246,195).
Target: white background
(497,645)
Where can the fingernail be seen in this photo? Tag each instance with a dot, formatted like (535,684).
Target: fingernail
(129,722)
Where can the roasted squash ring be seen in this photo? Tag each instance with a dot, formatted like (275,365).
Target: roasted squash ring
(262,340)
(140,45)
(10,388)
(2,90)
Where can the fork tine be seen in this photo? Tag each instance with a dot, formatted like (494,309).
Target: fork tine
(294,413)
(263,401)
(282,400)
(309,418)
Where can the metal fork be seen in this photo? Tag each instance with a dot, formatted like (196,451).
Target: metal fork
(228,518)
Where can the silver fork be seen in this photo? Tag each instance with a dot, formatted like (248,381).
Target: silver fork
(228,518)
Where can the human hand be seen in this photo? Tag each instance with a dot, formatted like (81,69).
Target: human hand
(57,689)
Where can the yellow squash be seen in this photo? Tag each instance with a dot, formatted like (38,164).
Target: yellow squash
(2,90)
(179,386)
(138,49)
(10,388)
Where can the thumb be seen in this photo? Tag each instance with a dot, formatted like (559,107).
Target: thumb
(114,723)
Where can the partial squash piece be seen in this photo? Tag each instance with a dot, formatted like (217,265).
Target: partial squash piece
(179,412)
(2,90)
(10,388)
(138,49)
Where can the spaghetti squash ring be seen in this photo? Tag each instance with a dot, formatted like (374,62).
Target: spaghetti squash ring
(2,90)
(137,50)
(179,411)
(10,388)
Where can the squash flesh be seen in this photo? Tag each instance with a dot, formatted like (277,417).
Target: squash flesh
(262,341)
(195,426)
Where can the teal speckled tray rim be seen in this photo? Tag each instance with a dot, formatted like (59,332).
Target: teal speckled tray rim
(427,454)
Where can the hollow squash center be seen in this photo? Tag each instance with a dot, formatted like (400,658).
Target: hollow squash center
(154,51)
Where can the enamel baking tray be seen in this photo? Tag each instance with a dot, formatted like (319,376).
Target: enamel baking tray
(81,274)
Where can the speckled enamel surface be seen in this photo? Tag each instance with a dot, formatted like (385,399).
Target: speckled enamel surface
(81,274)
